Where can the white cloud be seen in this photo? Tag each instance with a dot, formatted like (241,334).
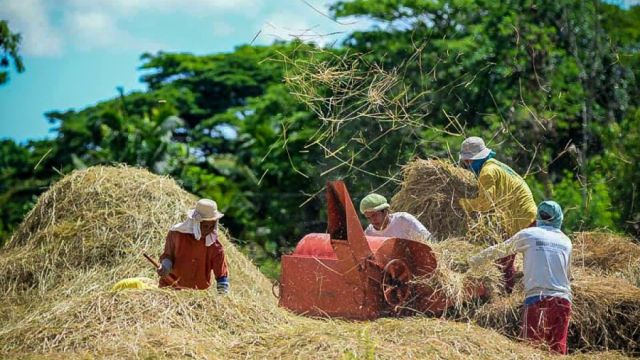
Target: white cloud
(49,26)
(30,19)
(193,7)
(95,30)
(223,28)
(308,22)
(213,5)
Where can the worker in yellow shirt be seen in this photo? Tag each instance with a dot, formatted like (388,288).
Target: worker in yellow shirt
(502,190)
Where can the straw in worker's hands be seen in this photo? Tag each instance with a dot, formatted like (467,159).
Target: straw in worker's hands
(430,191)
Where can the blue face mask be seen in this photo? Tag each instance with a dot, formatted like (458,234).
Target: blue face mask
(552,209)
(476,165)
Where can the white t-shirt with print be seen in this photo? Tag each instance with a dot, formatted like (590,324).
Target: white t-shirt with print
(547,260)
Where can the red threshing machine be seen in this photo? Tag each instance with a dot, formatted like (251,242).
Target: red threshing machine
(349,275)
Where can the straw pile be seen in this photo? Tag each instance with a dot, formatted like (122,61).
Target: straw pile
(431,190)
(608,253)
(87,232)
(90,220)
(606,314)
(453,277)
(606,307)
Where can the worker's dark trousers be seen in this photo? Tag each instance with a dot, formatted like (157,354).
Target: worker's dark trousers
(506,264)
(547,322)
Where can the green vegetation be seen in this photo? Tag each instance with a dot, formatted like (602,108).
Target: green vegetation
(553,83)
(9,45)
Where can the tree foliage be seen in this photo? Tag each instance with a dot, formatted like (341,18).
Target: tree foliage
(9,46)
(542,80)
(551,84)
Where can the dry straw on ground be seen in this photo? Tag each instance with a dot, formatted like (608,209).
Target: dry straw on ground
(88,231)
(454,278)
(608,253)
(606,314)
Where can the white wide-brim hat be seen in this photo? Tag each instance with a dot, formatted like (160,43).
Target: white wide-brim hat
(473,148)
(205,210)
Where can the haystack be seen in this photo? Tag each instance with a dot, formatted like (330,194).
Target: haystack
(608,253)
(455,279)
(606,307)
(430,191)
(88,231)
(92,219)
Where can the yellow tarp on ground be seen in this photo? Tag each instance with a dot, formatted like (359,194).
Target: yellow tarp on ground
(140,283)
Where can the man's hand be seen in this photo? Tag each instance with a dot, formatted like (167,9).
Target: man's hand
(162,271)
(165,267)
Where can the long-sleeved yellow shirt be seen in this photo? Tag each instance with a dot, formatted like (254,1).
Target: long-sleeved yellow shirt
(502,190)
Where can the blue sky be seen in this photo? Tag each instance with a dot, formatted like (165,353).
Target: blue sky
(77,52)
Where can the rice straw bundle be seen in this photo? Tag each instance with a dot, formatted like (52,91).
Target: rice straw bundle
(605,315)
(86,233)
(430,191)
(606,306)
(454,276)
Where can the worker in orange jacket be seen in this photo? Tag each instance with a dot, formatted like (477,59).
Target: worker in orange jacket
(192,251)
(502,190)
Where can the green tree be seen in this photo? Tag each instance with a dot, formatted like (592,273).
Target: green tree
(535,77)
(9,46)
(25,171)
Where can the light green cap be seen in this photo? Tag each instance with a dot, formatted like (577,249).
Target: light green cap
(373,202)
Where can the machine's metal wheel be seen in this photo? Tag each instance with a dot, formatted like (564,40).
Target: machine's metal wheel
(395,282)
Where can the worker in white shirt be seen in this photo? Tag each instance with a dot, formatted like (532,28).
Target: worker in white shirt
(382,222)
(547,273)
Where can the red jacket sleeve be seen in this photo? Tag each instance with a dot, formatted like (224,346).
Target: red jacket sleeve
(169,248)
(219,262)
